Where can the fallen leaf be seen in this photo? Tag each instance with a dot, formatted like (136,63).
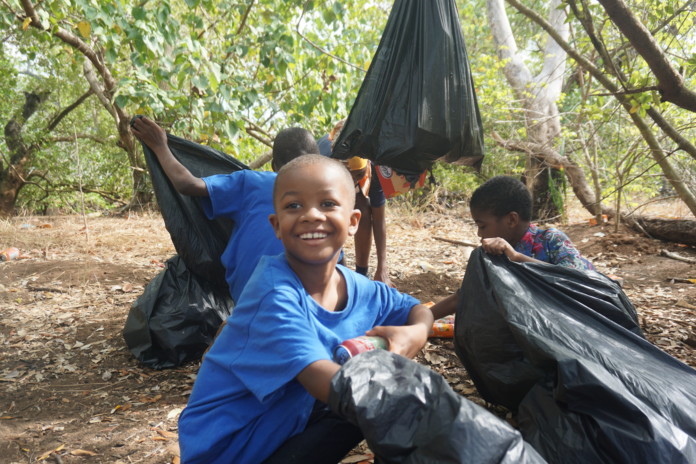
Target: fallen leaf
(166,433)
(48,453)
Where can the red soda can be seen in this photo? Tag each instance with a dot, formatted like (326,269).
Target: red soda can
(9,254)
(349,348)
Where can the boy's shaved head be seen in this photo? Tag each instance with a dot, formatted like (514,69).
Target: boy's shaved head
(329,163)
(291,143)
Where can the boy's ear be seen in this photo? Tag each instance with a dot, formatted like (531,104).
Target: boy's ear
(274,223)
(354,222)
(512,219)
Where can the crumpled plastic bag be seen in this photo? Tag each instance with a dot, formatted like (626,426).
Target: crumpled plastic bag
(562,347)
(409,414)
(176,318)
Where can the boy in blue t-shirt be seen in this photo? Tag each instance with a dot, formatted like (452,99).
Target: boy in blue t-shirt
(244,196)
(502,211)
(261,390)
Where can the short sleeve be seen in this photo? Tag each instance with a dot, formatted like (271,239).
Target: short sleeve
(562,252)
(222,189)
(395,307)
(282,341)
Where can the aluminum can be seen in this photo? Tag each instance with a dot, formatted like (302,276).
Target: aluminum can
(354,346)
(443,328)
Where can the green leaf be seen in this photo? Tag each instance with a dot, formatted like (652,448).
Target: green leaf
(139,13)
(121,101)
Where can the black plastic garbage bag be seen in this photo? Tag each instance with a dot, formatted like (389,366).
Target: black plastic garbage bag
(198,240)
(176,318)
(409,414)
(417,102)
(561,347)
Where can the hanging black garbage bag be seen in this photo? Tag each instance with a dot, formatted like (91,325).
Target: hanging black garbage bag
(417,102)
(562,347)
(409,414)
(176,318)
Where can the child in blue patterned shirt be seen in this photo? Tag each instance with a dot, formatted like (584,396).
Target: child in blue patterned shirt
(502,211)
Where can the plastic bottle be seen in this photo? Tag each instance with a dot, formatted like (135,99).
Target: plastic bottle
(349,348)
(9,254)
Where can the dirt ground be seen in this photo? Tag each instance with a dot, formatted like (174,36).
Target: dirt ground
(71,392)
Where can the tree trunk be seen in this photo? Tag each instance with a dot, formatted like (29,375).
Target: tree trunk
(13,171)
(671,230)
(538,95)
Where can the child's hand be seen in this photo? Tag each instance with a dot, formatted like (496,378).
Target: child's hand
(148,132)
(406,340)
(499,246)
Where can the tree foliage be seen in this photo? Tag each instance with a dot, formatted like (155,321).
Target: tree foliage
(230,74)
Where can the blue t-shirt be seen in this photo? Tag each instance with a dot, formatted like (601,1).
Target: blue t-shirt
(245,197)
(246,401)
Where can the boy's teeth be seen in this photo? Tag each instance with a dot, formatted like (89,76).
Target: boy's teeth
(313,235)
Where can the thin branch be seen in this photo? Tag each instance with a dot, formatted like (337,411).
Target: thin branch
(244,17)
(93,138)
(59,117)
(458,242)
(318,48)
(626,92)
(672,88)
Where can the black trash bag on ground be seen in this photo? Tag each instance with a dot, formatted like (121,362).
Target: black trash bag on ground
(176,318)
(409,414)
(562,348)
(417,102)
(198,240)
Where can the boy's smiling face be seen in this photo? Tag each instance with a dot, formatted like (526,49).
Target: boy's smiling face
(315,212)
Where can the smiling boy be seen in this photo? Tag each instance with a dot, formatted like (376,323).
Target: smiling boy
(261,391)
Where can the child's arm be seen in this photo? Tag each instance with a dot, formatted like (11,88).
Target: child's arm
(152,135)
(316,378)
(407,340)
(445,307)
(500,246)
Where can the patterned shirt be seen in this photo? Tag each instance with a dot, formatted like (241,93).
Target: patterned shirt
(551,246)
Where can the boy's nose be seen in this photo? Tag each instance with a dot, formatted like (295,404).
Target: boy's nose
(313,214)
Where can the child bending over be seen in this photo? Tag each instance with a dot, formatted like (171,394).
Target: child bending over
(261,390)
(502,211)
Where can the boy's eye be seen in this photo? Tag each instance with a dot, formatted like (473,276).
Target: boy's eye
(292,205)
(328,203)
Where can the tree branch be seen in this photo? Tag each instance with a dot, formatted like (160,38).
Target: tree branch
(59,117)
(72,138)
(656,151)
(671,83)
(318,48)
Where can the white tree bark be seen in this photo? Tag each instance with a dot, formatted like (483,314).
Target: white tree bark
(539,93)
